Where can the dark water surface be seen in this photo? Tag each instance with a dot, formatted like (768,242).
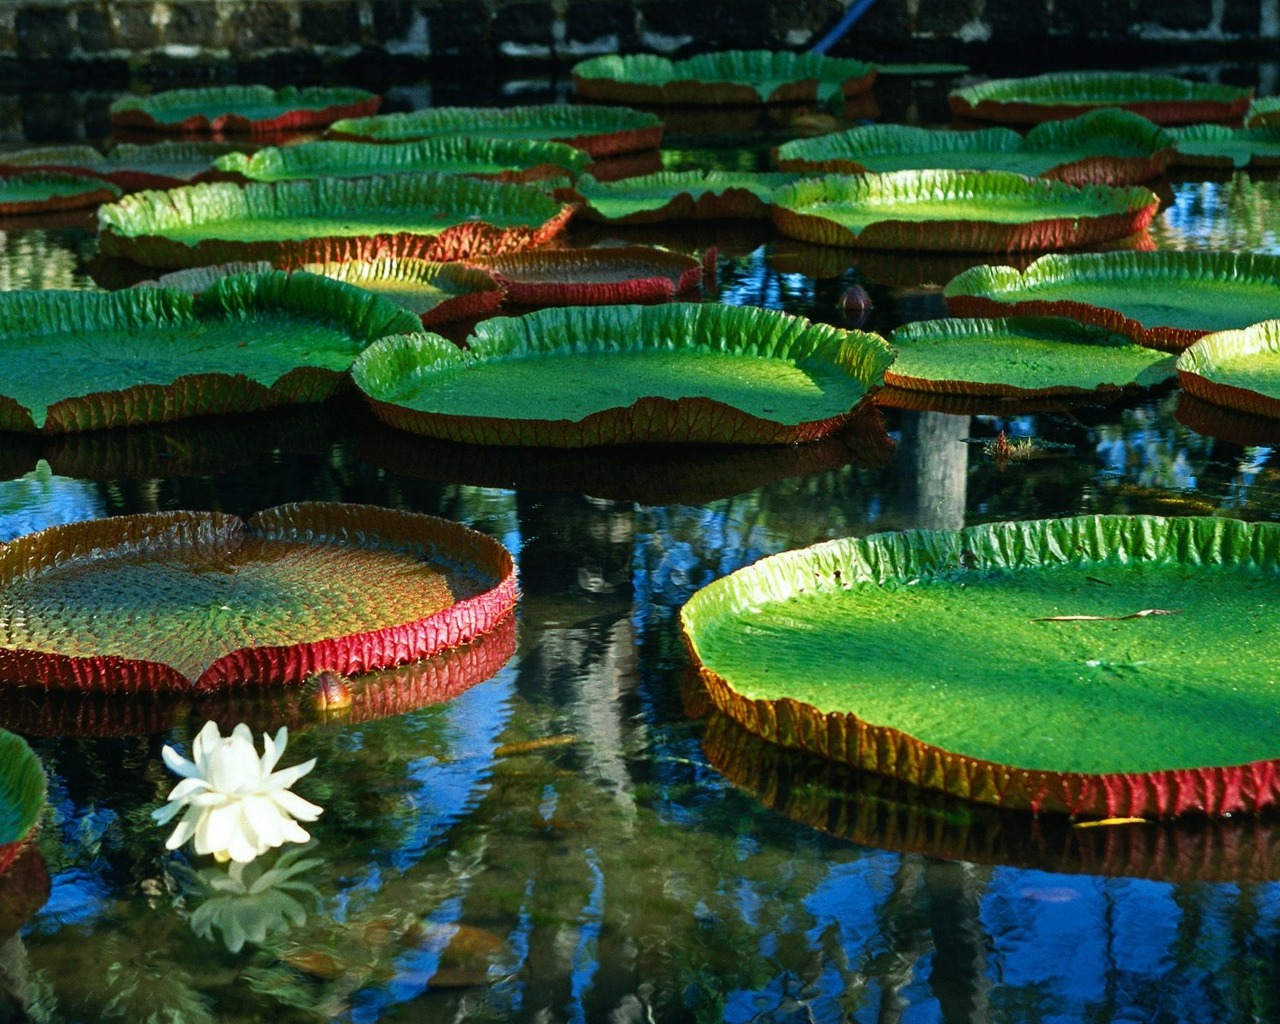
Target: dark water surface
(573,838)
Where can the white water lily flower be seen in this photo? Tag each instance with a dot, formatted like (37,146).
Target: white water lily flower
(237,807)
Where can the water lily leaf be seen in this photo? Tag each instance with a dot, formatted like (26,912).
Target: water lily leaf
(598,276)
(250,341)
(22,796)
(582,376)
(428,216)
(972,211)
(1102,147)
(25,192)
(131,168)
(180,600)
(1163,99)
(1165,300)
(679,195)
(499,159)
(730,76)
(1021,357)
(1215,145)
(1264,112)
(599,131)
(886,814)
(1154,717)
(241,109)
(1236,369)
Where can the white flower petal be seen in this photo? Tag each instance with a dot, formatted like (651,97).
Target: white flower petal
(183,791)
(205,740)
(178,764)
(286,778)
(217,828)
(295,833)
(301,809)
(265,819)
(185,829)
(273,750)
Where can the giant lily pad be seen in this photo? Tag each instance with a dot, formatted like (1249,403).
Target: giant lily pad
(1237,369)
(679,195)
(971,211)
(593,277)
(1165,299)
(131,168)
(1159,98)
(1101,665)
(84,360)
(241,109)
(731,76)
(501,159)
(1264,113)
(582,376)
(437,293)
(1103,147)
(172,601)
(1020,357)
(429,216)
(599,131)
(38,191)
(1214,145)
(22,795)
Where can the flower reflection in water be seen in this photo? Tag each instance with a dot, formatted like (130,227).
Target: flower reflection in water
(237,806)
(250,902)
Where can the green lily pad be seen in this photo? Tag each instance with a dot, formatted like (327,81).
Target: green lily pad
(131,168)
(597,130)
(502,159)
(1101,665)
(1264,113)
(242,109)
(1165,300)
(428,216)
(85,360)
(22,796)
(582,376)
(173,601)
(1021,357)
(679,195)
(1213,145)
(1163,99)
(597,276)
(1103,147)
(1236,369)
(971,211)
(730,76)
(39,191)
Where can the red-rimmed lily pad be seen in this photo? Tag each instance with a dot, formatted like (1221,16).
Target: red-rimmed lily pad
(885,814)
(598,276)
(39,191)
(242,109)
(970,211)
(1163,99)
(1166,300)
(1236,369)
(1106,666)
(599,131)
(22,796)
(176,601)
(498,159)
(437,293)
(1264,112)
(429,216)
(85,361)
(728,77)
(1102,147)
(1022,357)
(581,376)
(679,195)
(1214,145)
(131,168)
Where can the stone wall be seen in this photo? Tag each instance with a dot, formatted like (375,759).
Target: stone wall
(162,41)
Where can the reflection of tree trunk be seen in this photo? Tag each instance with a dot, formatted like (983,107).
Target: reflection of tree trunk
(15,983)
(934,457)
(958,979)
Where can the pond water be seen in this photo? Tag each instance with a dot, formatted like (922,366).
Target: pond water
(573,837)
